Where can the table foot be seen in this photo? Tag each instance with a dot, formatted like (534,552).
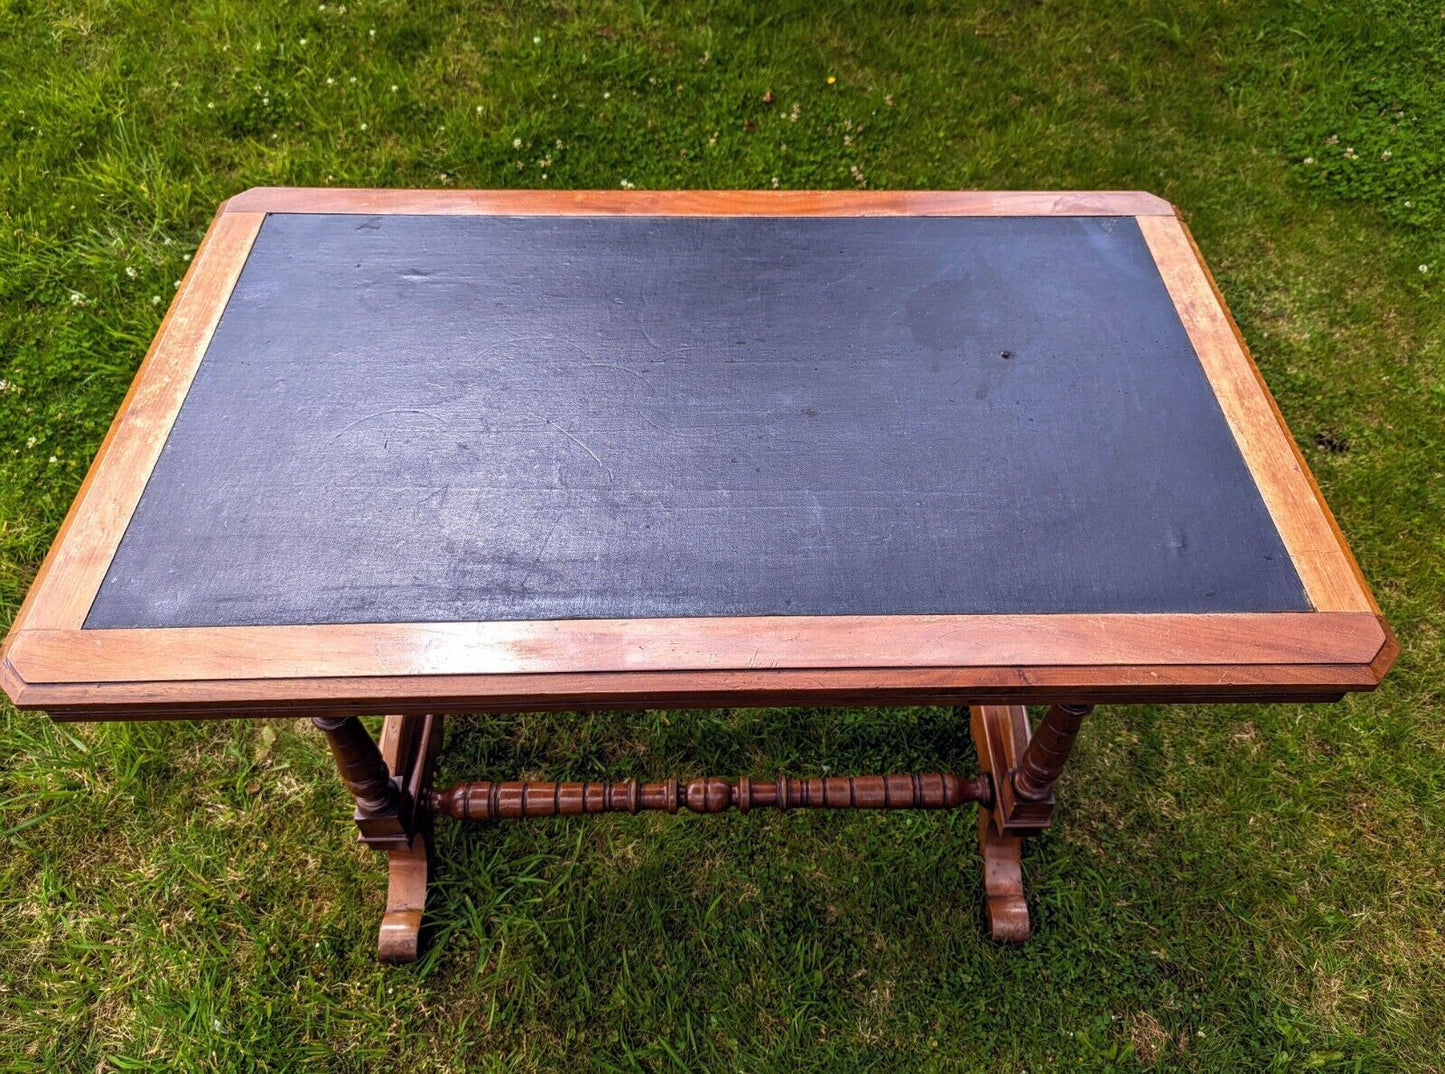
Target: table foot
(408,867)
(1003,882)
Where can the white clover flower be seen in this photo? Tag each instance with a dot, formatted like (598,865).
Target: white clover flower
(776,183)
(130,271)
(30,443)
(1309,160)
(76,298)
(516,143)
(626,185)
(155,300)
(363,126)
(606,95)
(1424,268)
(53,459)
(330,81)
(394,88)
(303,42)
(536,40)
(1386,155)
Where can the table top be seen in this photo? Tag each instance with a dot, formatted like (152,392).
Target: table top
(485,450)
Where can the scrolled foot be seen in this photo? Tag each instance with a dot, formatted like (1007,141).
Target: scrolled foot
(1003,882)
(400,937)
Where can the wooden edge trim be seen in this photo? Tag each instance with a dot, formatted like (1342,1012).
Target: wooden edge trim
(1331,578)
(655,645)
(857,686)
(1389,651)
(702,202)
(68,579)
(11,683)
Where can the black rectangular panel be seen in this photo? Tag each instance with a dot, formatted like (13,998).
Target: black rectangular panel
(428,418)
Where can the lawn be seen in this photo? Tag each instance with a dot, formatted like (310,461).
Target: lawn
(1225,887)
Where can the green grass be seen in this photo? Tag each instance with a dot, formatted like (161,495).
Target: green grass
(1225,887)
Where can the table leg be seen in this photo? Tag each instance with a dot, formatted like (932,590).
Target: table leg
(408,869)
(409,746)
(1023,768)
(382,810)
(391,786)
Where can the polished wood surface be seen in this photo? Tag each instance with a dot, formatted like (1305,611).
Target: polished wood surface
(221,699)
(682,644)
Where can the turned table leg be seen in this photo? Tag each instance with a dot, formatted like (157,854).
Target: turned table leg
(391,785)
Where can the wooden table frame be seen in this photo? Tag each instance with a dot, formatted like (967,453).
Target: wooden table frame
(419,671)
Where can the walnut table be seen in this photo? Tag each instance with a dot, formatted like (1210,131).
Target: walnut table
(419,453)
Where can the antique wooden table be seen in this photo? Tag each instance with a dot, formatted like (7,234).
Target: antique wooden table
(434,452)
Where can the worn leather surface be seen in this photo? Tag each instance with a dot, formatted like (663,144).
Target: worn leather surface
(407,419)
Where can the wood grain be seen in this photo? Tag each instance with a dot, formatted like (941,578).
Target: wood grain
(702,202)
(733,644)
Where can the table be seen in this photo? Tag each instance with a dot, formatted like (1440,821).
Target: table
(418,453)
